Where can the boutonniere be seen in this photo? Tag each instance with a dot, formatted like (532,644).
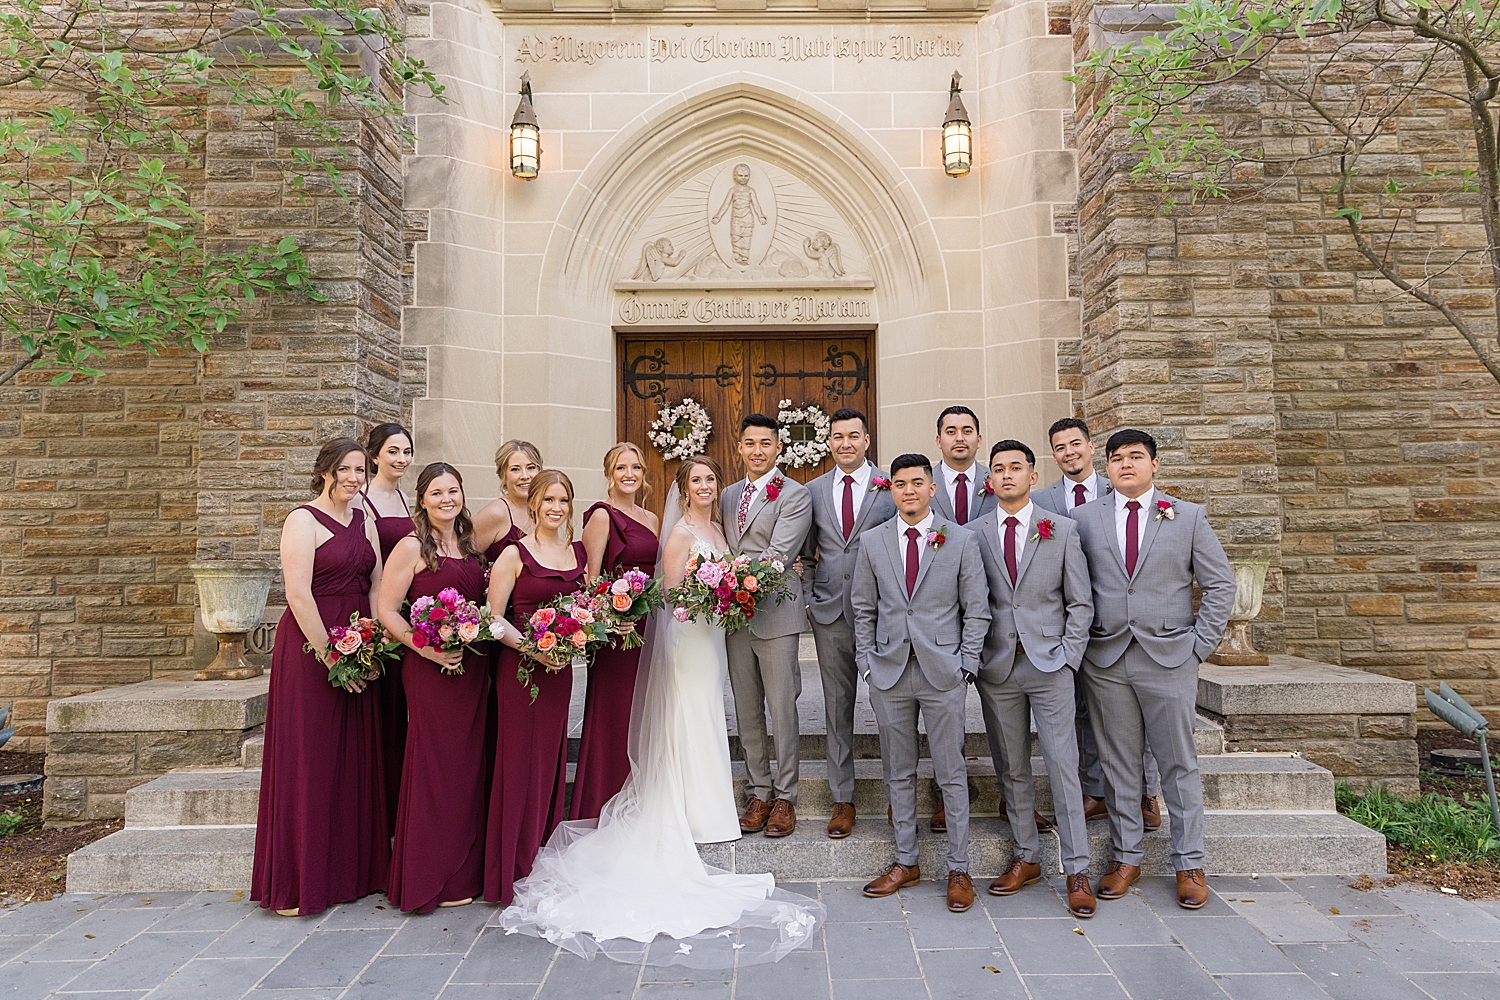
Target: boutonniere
(1164,509)
(1043,530)
(938,537)
(878,483)
(773,489)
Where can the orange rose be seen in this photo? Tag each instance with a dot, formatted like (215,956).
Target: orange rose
(743,596)
(547,641)
(622,602)
(579,639)
(750,582)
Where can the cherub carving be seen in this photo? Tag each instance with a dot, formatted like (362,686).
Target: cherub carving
(744,209)
(656,256)
(824,252)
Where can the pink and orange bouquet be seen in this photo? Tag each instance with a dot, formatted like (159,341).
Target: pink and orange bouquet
(361,649)
(446,622)
(569,629)
(727,591)
(632,596)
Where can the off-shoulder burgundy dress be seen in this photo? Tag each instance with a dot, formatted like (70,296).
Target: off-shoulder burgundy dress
(531,752)
(321,835)
(391,530)
(603,761)
(439,852)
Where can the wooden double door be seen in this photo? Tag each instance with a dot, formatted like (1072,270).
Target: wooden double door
(732,375)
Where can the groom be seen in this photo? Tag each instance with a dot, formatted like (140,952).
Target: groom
(765,515)
(921,611)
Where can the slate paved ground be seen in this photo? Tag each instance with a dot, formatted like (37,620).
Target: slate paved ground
(1257,939)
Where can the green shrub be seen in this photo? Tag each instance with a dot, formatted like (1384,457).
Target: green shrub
(1438,827)
(11,821)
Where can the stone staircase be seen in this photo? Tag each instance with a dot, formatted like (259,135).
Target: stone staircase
(1266,812)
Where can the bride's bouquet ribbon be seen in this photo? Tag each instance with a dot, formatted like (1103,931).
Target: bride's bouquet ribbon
(725,591)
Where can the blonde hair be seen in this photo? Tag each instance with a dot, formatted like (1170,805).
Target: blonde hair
(539,485)
(613,455)
(685,472)
(507,451)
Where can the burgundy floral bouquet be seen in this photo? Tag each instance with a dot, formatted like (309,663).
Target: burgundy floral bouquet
(726,591)
(632,596)
(446,622)
(569,629)
(361,649)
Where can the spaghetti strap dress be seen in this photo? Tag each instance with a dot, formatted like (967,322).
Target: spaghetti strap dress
(512,536)
(391,530)
(603,758)
(531,752)
(438,856)
(321,835)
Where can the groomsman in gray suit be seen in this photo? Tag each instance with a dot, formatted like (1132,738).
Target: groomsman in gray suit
(961,496)
(765,515)
(921,612)
(1145,550)
(1073,451)
(853,497)
(1040,608)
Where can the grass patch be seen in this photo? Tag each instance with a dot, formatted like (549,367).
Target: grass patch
(1435,827)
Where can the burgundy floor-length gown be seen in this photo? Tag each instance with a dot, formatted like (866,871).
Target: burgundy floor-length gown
(512,536)
(391,530)
(439,852)
(321,835)
(603,760)
(531,752)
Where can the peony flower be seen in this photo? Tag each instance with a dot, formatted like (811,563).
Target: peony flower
(348,642)
(450,597)
(681,614)
(622,602)
(546,641)
(710,573)
(468,631)
(750,583)
(544,617)
(419,639)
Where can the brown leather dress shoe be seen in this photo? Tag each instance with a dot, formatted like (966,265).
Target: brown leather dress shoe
(1043,824)
(960,892)
(939,822)
(1150,813)
(1118,880)
(897,876)
(841,823)
(1020,873)
(1192,889)
(757,811)
(1094,808)
(783,819)
(1081,901)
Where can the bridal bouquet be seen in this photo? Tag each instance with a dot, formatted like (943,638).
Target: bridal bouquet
(569,629)
(362,647)
(632,596)
(446,622)
(725,592)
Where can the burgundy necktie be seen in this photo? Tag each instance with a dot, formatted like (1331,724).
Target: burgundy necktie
(1132,537)
(1078,496)
(848,506)
(1010,548)
(961,500)
(913,560)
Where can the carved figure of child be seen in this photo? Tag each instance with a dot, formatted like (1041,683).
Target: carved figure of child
(744,209)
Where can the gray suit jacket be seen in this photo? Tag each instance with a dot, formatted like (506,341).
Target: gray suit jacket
(1155,606)
(943,622)
(772,528)
(1050,607)
(980,502)
(827,558)
(1058,498)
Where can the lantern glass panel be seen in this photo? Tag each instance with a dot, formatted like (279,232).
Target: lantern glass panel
(957,148)
(525,151)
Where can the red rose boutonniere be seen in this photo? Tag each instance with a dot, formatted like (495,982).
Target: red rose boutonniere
(988,489)
(1043,530)
(1164,509)
(878,483)
(773,489)
(937,538)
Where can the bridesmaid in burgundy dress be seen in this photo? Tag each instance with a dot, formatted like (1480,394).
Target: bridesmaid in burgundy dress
(531,753)
(321,834)
(390,454)
(438,858)
(618,535)
(505,520)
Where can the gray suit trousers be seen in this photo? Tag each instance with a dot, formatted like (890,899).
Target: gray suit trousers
(1007,707)
(896,711)
(1141,699)
(763,673)
(1090,771)
(835,644)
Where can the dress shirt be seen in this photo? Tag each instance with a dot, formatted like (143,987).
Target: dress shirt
(1147,511)
(861,487)
(950,485)
(759,485)
(1091,489)
(923,527)
(1024,516)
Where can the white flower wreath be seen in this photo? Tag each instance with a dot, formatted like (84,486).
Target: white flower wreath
(808,451)
(682,430)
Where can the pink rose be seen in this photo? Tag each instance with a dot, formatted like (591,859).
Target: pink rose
(468,631)
(348,642)
(681,614)
(620,586)
(579,639)
(544,617)
(419,640)
(750,583)
(583,615)
(445,633)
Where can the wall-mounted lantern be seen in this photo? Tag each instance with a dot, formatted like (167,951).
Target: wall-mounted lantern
(958,135)
(525,136)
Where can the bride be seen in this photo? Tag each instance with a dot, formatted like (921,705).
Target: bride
(631,884)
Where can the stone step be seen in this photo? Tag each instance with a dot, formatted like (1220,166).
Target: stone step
(1293,843)
(164,860)
(253,752)
(200,797)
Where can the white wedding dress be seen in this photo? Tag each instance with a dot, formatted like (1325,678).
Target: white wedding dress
(631,884)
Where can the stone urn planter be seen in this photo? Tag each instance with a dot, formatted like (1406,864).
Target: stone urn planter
(232,599)
(1235,649)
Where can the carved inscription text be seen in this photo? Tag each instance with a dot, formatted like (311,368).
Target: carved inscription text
(902,47)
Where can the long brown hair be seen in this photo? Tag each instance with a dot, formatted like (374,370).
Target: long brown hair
(685,471)
(379,435)
(613,455)
(329,457)
(463,525)
(544,479)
